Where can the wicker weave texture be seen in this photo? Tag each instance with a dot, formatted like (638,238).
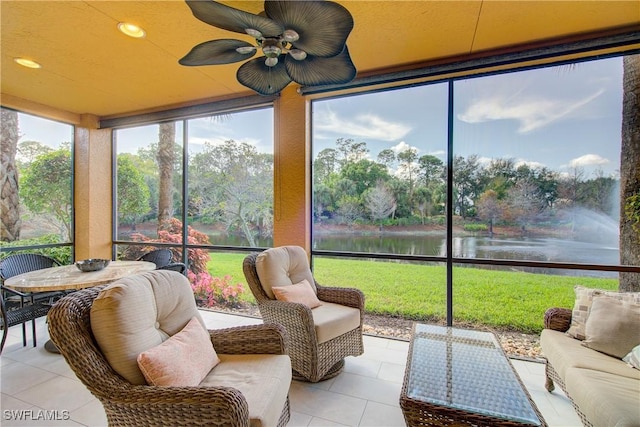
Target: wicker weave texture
(142,405)
(461,377)
(310,360)
(559,319)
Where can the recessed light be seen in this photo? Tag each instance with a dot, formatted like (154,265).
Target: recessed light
(132,30)
(27,63)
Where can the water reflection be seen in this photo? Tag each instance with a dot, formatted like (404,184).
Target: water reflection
(515,248)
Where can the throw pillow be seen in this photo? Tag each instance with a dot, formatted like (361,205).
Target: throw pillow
(582,305)
(633,358)
(183,360)
(301,293)
(612,326)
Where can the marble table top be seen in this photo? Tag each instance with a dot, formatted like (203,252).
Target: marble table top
(68,277)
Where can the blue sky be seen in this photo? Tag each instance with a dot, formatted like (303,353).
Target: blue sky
(560,117)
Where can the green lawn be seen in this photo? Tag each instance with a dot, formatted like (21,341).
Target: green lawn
(498,299)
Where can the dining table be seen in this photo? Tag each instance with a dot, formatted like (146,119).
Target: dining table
(70,278)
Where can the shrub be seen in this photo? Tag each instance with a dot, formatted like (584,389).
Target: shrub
(211,291)
(475,227)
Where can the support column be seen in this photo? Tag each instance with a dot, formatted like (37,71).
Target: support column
(292,184)
(92,189)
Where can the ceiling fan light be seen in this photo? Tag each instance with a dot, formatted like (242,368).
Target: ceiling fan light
(245,49)
(271,61)
(254,33)
(298,54)
(290,36)
(131,30)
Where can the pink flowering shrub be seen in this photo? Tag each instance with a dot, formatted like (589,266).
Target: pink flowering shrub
(212,291)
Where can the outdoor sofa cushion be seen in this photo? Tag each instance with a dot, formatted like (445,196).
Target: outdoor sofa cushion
(283,266)
(262,379)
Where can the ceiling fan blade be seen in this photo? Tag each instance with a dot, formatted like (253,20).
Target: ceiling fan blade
(231,19)
(216,52)
(323,26)
(315,70)
(256,75)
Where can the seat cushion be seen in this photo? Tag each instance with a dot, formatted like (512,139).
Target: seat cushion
(605,399)
(332,320)
(263,379)
(282,266)
(139,312)
(564,353)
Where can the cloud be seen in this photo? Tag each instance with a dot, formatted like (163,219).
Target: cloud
(531,112)
(530,163)
(403,146)
(588,160)
(362,126)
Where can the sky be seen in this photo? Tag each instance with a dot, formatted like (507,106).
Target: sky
(560,118)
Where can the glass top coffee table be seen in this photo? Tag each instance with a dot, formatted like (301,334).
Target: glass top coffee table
(462,377)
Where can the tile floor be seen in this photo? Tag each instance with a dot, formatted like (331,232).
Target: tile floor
(365,394)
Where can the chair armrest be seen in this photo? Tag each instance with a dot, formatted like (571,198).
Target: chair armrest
(151,405)
(350,297)
(255,339)
(558,319)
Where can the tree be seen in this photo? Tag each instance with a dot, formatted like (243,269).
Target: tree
(133,193)
(364,173)
(489,208)
(10,221)
(349,210)
(380,202)
(386,157)
(465,183)
(431,169)
(325,164)
(28,151)
(407,159)
(629,170)
(236,182)
(166,159)
(524,203)
(46,188)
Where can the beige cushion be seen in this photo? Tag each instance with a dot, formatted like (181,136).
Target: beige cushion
(633,357)
(262,379)
(301,293)
(564,353)
(613,326)
(181,361)
(139,312)
(582,305)
(605,399)
(332,320)
(281,266)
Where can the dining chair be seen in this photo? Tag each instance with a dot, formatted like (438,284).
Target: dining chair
(324,323)
(175,266)
(160,257)
(16,264)
(14,313)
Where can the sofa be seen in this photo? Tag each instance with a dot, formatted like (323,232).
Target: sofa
(593,353)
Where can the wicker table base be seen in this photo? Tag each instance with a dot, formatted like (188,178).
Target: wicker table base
(457,377)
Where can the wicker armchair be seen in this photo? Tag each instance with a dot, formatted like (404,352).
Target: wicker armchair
(127,404)
(312,359)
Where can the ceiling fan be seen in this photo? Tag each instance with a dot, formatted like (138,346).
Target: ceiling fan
(301,41)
